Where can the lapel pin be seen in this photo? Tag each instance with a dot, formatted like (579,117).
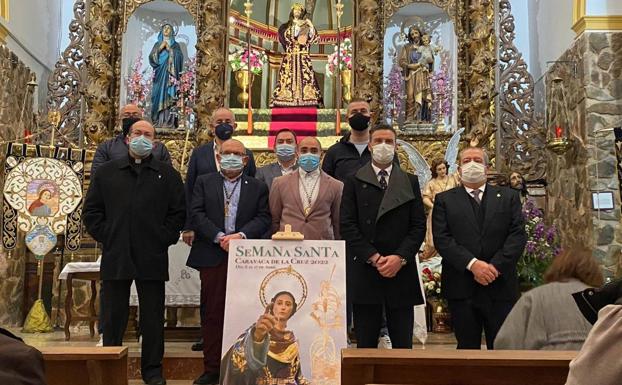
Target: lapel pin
(159,176)
(498,195)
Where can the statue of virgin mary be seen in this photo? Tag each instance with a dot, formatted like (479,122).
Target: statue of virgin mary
(296,85)
(167,61)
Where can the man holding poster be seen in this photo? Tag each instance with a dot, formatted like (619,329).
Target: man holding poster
(383,224)
(226,205)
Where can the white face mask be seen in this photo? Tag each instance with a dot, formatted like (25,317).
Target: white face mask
(473,172)
(383,153)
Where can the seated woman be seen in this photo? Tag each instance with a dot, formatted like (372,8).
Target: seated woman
(267,353)
(547,318)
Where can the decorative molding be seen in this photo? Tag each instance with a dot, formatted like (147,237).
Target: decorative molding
(130,6)
(522,139)
(4,11)
(67,82)
(4,32)
(368,53)
(578,10)
(99,114)
(598,23)
(390,7)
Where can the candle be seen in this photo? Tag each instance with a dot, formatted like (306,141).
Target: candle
(558,132)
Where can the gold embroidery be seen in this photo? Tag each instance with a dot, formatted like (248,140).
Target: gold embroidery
(288,356)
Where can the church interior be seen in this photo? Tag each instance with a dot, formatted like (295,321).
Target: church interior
(535,83)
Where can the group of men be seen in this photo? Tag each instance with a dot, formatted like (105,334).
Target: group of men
(137,205)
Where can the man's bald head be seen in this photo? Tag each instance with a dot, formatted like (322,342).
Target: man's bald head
(223,115)
(310,144)
(233,146)
(130,111)
(142,127)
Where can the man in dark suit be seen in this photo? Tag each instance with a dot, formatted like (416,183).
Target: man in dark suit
(135,207)
(203,161)
(285,150)
(226,205)
(383,224)
(480,234)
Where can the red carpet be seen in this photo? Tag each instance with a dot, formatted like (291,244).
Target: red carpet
(303,121)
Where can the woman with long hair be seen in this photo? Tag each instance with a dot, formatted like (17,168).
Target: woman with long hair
(547,318)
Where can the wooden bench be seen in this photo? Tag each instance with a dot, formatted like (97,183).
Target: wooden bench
(85,365)
(452,367)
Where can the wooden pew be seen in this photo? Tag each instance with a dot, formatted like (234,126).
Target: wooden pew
(70,365)
(454,367)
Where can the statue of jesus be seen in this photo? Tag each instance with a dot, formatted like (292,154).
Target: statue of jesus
(296,85)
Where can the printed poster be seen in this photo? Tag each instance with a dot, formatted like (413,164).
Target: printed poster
(285,313)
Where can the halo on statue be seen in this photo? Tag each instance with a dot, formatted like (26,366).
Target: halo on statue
(284,279)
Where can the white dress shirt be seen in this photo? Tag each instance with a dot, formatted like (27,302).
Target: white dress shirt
(309,183)
(469,191)
(378,169)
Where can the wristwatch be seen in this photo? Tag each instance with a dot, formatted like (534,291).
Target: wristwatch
(404,261)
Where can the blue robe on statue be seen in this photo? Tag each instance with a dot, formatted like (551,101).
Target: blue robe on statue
(167,66)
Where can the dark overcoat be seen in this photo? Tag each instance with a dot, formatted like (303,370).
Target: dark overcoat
(136,216)
(387,222)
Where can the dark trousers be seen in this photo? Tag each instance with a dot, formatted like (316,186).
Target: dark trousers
(368,319)
(151,306)
(213,288)
(469,318)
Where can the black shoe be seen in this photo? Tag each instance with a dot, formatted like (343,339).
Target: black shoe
(157,380)
(197,346)
(207,379)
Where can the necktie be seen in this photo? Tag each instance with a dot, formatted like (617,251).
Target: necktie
(475,194)
(383,180)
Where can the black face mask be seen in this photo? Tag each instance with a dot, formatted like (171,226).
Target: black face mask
(359,122)
(126,123)
(224,131)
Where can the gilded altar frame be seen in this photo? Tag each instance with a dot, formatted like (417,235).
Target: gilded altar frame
(85,85)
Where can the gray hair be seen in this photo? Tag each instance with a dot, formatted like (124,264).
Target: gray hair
(486,158)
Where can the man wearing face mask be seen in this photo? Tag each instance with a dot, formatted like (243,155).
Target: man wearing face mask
(226,205)
(285,150)
(309,199)
(347,156)
(479,232)
(203,161)
(117,147)
(383,224)
(135,207)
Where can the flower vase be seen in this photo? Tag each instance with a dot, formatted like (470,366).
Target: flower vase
(244,81)
(346,85)
(441,318)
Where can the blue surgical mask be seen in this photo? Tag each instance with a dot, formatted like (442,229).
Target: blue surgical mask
(309,162)
(141,146)
(285,152)
(231,162)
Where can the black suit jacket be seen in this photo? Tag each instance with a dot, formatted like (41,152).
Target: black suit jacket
(208,218)
(458,238)
(202,162)
(387,222)
(136,216)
